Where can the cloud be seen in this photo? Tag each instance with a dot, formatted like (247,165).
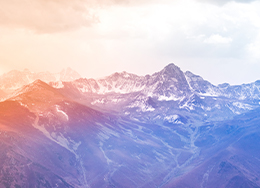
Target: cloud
(222,2)
(212,32)
(49,16)
(46,16)
(218,39)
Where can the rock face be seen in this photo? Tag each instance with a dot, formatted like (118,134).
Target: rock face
(168,129)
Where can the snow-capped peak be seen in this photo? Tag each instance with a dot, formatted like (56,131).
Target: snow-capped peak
(69,74)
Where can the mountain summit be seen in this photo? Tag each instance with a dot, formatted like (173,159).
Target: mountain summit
(68,75)
(37,96)
(171,69)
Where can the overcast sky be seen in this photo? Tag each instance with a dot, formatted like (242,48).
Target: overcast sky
(217,39)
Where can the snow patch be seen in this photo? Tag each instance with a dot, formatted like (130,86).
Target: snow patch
(116,100)
(62,112)
(83,89)
(170,98)
(173,119)
(102,150)
(217,106)
(57,85)
(98,101)
(142,106)
(24,105)
(242,106)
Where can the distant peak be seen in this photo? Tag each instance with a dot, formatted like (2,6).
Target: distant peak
(224,85)
(123,74)
(26,70)
(170,66)
(36,85)
(257,82)
(38,82)
(68,69)
(171,69)
(69,74)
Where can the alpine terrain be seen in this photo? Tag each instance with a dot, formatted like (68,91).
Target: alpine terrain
(168,129)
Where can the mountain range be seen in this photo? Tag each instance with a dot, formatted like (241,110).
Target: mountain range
(16,79)
(168,129)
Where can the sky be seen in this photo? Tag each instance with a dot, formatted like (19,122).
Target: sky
(216,39)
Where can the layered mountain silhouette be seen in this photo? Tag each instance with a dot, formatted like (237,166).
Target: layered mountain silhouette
(15,79)
(168,129)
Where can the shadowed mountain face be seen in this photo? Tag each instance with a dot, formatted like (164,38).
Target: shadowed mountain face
(169,129)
